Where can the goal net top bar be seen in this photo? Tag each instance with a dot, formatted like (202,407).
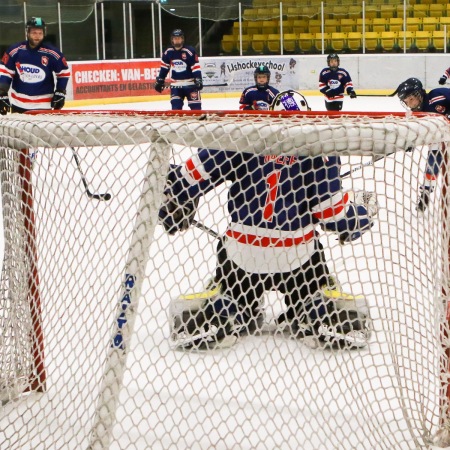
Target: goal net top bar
(265,133)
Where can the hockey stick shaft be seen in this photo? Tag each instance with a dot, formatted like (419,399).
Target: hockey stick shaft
(203,227)
(105,196)
(379,95)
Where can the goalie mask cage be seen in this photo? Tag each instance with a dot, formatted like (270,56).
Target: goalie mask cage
(86,286)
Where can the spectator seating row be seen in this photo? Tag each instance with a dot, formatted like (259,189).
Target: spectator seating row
(333,11)
(352,41)
(342,25)
(317,3)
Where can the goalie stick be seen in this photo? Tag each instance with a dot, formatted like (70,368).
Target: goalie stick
(103,197)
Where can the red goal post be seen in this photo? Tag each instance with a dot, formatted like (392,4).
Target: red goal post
(78,273)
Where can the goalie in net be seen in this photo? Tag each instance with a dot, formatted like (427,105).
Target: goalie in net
(275,204)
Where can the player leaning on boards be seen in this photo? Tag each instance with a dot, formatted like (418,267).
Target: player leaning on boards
(259,96)
(333,82)
(414,97)
(182,61)
(445,77)
(275,205)
(28,70)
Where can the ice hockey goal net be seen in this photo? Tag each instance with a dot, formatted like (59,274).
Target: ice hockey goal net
(88,276)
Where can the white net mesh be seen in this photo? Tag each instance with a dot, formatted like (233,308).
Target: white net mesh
(80,274)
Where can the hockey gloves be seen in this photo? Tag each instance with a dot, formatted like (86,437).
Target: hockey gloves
(175,217)
(198,83)
(159,85)
(424,198)
(329,93)
(58,100)
(352,94)
(442,80)
(5,106)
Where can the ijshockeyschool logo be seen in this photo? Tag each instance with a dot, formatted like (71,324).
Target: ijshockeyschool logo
(234,67)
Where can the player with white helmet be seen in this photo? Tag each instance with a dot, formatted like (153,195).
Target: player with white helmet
(276,203)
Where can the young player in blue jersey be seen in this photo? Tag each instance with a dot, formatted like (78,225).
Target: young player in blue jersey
(334,81)
(414,97)
(261,95)
(182,61)
(275,205)
(28,71)
(445,77)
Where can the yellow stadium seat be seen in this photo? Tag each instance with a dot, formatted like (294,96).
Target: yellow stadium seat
(355,11)
(254,28)
(413,23)
(273,43)
(430,23)
(360,25)
(321,41)
(305,42)
(354,41)
(246,41)
(290,42)
(228,43)
(401,9)
(338,41)
(259,3)
(438,40)
(270,26)
(371,11)
(259,43)
(420,10)
(388,40)
(348,25)
(395,24)
(387,11)
(338,11)
(437,10)
(372,40)
(332,25)
(268,13)
(314,26)
(405,39)
(299,26)
(422,39)
(379,24)
(250,14)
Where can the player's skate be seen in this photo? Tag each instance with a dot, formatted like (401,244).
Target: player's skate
(209,320)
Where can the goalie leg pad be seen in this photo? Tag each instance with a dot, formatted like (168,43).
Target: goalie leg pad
(206,321)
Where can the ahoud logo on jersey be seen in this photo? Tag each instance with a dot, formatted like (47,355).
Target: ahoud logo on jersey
(29,73)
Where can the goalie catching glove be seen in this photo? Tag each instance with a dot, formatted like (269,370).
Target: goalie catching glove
(175,217)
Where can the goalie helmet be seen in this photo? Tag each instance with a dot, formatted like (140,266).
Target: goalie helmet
(411,93)
(262,70)
(336,57)
(36,22)
(289,101)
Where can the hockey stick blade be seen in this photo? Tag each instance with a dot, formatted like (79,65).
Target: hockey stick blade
(379,95)
(101,197)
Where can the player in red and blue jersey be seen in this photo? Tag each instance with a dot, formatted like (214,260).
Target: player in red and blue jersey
(414,97)
(275,205)
(334,81)
(28,70)
(261,95)
(182,62)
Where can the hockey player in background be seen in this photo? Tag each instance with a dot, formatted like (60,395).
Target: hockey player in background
(259,96)
(445,77)
(334,81)
(275,205)
(34,72)
(414,97)
(186,74)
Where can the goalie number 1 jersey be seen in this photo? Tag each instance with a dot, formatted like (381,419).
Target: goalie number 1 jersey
(274,202)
